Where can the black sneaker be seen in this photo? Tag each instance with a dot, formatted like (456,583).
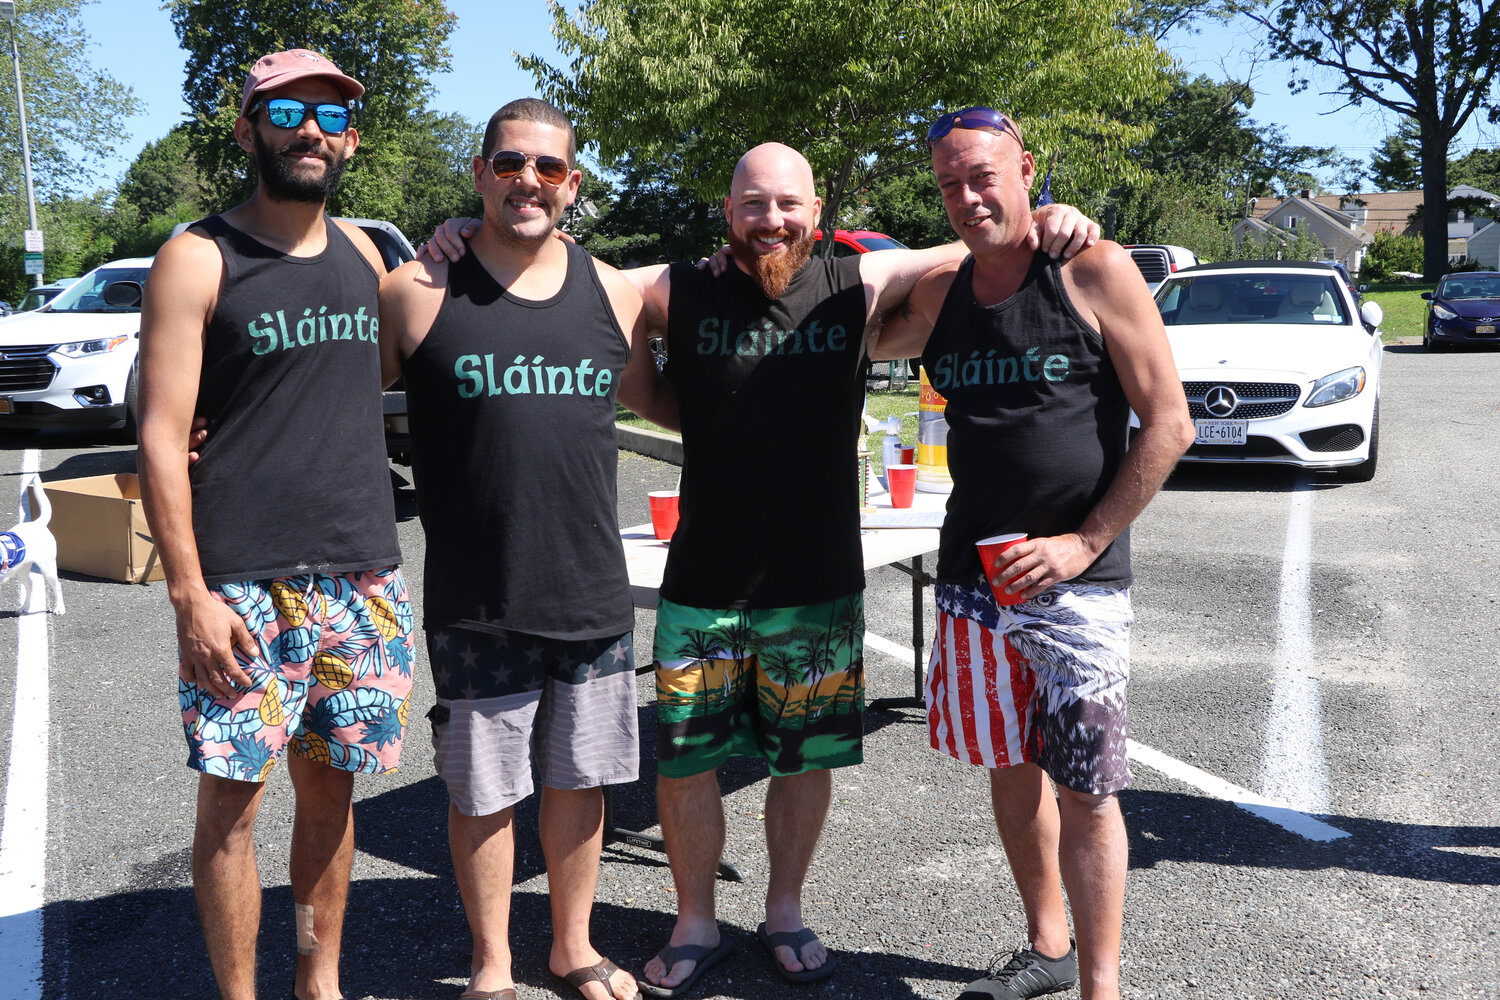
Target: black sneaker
(1028,973)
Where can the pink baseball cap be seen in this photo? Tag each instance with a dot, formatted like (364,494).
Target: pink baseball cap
(281,68)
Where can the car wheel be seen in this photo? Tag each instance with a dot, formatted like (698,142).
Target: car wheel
(1430,342)
(1365,471)
(131,391)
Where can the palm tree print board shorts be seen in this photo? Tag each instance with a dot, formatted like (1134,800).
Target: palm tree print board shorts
(332,679)
(786,684)
(1038,682)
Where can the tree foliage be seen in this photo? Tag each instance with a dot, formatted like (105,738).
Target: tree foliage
(906,205)
(652,218)
(392,48)
(68,145)
(852,84)
(1478,168)
(1396,164)
(1433,61)
(163,176)
(1392,252)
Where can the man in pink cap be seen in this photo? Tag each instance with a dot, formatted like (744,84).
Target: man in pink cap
(279,544)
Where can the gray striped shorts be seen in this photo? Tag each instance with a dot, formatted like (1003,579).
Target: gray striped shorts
(506,697)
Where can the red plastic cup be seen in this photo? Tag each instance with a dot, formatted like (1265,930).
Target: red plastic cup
(989,555)
(908,455)
(663,513)
(902,480)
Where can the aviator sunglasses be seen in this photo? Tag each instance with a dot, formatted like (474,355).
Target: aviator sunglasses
(283,112)
(507,163)
(975,117)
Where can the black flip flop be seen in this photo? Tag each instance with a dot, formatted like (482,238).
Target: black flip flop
(795,940)
(706,957)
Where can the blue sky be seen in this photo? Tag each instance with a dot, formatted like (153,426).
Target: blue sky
(133,41)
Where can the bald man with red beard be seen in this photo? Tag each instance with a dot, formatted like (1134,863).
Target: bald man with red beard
(760,625)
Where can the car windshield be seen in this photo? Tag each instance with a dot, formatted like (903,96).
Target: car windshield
(92,292)
(1470,287)
(1218,299)
(880,243)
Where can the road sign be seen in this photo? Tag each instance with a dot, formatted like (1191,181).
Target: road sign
(33,263)
(34,241)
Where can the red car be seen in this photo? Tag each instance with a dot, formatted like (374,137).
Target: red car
(848,242)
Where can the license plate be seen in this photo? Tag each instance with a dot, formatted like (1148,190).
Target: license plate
(1486,328)
(4,404)
(1221,431)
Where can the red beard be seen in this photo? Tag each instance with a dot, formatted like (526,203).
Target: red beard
(774,271)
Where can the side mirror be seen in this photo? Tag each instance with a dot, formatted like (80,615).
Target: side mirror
(1364,286)
(1372,314)
(122,294)
(1427,296)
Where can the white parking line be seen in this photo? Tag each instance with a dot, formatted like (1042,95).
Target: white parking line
(23,838)
(1283,814)
(1293,769)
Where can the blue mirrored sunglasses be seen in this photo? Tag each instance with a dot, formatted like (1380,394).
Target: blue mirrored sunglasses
(283,112)
(975,117)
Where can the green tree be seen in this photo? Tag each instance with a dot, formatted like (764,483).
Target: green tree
(1392,252)
(392,48)
(73,112)
(852,84)
(1432,61)
(905,204)
(652,218)
(163,176)
(80,237)
(1478,168)
(1396,164)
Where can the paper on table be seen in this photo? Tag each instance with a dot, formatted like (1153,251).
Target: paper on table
(906,518)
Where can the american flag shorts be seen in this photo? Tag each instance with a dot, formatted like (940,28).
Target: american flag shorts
(1039,682)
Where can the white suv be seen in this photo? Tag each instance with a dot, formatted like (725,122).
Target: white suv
(71,363)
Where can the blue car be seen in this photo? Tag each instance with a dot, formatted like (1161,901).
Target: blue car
(1463,309)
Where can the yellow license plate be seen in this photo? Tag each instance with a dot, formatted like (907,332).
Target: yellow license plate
(1488,328)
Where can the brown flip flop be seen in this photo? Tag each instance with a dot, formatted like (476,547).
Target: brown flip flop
(589,974)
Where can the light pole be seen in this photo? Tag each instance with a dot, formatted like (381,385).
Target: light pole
(8,14)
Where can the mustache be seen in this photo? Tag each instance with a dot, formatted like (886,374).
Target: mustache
(303,147)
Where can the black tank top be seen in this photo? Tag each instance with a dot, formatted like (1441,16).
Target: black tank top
(1036,420)
(293,477)
(512,408)
(769,395)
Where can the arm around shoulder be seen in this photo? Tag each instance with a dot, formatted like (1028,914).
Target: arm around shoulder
(643,389)
(905,329)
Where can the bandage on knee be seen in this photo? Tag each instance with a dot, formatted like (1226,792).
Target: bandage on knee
(307,941)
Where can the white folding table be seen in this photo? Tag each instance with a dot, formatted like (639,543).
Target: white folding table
(901,548)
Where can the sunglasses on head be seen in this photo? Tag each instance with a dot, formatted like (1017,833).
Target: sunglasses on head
(507,163)
(283,112)
(975,117)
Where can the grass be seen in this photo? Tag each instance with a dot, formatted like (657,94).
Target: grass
(1405,312)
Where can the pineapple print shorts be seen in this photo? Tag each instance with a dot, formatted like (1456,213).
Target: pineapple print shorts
(332,680)
(786,684)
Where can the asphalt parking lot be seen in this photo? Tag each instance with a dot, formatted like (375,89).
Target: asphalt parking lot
(1375,716)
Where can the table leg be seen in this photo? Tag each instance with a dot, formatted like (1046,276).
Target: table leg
(649,842)
(919,579)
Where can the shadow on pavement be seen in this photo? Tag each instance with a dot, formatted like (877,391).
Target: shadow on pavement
(1171,826)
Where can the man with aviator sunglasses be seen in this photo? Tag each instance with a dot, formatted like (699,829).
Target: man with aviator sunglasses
(1041,362)
(280,540)
(776,325)
(513,357)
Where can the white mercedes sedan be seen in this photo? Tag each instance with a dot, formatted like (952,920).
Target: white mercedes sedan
(1279,364)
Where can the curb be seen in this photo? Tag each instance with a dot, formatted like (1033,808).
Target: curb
(652,444)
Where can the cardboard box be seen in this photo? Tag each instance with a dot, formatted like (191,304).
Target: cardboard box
(101,530)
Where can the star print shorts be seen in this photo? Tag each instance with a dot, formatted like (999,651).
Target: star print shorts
(1039,682)
(504,697)
(332,679)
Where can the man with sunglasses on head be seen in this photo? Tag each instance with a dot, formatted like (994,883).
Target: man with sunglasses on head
(279,545)
(1041,362)
(778,325)
(514,356)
